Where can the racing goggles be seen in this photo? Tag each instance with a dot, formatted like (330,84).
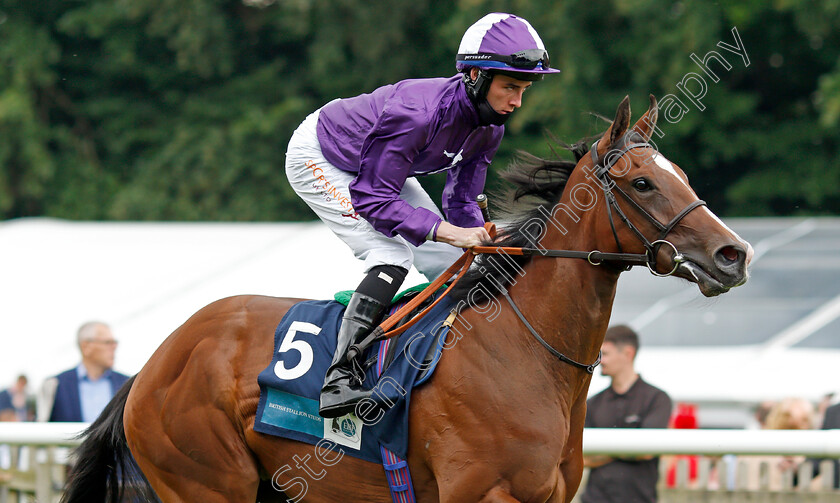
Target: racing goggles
(524,60)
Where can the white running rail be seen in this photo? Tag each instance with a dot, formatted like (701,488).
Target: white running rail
(617,441)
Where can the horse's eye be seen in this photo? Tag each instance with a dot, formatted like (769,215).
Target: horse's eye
(642,185)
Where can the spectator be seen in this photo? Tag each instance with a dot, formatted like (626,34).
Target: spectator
(830,421)
(15,404)
(791,414)
(80,394)
(788,414)
(685,417)
(758,422)
(629,402)
(7,410)
(762,410)
(822,406)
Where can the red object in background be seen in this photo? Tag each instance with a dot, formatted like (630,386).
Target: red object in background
(685,418)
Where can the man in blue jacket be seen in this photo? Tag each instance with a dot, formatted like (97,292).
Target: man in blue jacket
(80,394)
(354,162)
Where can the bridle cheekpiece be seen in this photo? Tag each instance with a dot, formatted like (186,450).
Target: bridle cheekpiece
(601,167)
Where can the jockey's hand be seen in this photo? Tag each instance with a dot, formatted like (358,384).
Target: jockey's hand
(461,237)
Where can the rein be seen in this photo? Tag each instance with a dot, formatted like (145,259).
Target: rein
(602,167)
(383,331)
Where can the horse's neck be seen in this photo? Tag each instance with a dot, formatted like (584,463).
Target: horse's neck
(569,302)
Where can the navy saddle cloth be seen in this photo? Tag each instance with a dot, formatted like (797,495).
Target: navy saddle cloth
(304,343)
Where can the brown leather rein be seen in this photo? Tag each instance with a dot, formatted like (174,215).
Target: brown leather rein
(386,329)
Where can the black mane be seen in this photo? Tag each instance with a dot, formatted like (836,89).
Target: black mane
(536,183)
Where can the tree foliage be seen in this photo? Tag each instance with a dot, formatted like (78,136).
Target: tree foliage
(182,109)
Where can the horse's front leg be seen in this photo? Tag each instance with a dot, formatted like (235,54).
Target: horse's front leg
(571,472)
(498,495)
(471,484)
(571,468)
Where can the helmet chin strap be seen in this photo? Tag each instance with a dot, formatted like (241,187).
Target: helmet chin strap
(487,115)
(477,91)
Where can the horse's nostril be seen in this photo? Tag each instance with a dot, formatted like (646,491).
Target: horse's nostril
(729,253)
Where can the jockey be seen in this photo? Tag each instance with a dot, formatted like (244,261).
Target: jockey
(354,162)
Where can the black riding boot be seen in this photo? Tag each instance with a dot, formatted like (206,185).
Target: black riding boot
(342,390)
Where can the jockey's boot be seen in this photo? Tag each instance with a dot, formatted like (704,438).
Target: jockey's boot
(342,388)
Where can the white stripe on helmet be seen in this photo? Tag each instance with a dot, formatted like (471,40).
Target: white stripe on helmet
(534,34)
(475,33)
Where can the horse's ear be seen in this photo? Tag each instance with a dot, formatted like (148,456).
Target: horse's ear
(619,125)
(647,123)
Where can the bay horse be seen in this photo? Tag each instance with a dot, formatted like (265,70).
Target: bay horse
(501,419)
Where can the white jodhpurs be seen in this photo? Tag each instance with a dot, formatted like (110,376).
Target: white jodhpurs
(325,189)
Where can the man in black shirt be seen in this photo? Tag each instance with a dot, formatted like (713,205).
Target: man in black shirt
(629,402)
(831,421)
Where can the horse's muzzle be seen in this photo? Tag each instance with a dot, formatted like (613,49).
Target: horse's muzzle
(727,269)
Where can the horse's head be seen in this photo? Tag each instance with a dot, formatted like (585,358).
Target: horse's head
(651,209)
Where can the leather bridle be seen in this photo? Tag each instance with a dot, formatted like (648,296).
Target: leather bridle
(602,168)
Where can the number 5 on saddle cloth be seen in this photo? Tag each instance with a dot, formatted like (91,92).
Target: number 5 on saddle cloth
(305,341)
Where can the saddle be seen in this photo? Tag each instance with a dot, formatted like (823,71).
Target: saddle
(400,300)
(304,344)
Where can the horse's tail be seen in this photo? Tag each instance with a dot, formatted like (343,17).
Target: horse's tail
(103,463)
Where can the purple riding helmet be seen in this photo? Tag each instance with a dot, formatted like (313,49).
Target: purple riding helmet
(500,43)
